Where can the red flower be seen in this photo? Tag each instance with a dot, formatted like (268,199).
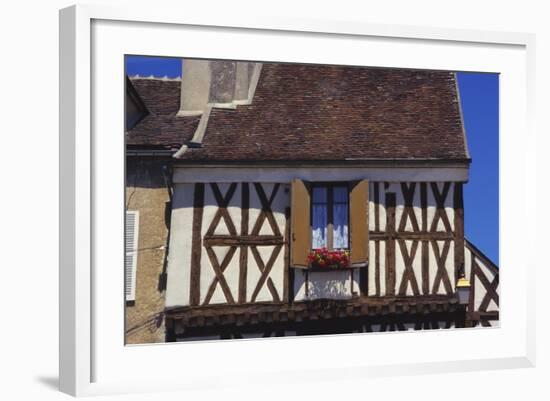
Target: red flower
(322,257)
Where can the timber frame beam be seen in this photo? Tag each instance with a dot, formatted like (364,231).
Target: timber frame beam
(321,309)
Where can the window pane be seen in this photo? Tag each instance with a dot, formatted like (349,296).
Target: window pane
(340,211)
(319,225)
(319,195)
(340,195)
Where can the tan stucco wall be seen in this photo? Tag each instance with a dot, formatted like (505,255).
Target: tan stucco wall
(146,192)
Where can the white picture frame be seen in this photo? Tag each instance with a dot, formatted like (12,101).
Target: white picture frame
(91,354)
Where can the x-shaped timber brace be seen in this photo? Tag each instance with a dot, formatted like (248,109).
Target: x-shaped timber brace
(243,241)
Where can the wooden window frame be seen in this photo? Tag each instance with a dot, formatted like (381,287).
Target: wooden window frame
(330,185)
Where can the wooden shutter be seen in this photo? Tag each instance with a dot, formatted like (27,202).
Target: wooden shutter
(131,244)
(300,224)
(359,223)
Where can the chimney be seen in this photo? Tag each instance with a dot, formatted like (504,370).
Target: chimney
(242,81)
(216,83)
(195,87)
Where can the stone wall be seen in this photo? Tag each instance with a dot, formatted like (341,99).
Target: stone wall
(146,192)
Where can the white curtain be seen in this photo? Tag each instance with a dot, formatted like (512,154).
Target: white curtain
(319,218)
(319,235)
(340,216)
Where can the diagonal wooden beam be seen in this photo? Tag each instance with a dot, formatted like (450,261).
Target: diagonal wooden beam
(441,274)
(408,211)
(490,287)
(222,212)
(265,269)
(440,212)
(408,274)
(266,212)
(218,270)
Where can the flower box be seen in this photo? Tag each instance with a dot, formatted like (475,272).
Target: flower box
(323,259)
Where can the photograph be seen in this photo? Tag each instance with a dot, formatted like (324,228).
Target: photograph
(275,199)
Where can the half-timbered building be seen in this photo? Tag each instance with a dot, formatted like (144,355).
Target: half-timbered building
(271,161)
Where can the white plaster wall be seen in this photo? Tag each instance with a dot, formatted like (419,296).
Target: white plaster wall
(299,285)
(279,205)
(381,208)
(372,268)
(476,286)
(179,251)
(371,272)
(372,223)
(467,262)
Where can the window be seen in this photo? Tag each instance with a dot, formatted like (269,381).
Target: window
(131,245)
(330,216)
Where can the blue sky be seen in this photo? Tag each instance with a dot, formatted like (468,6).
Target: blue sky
(479,99)
(156,66)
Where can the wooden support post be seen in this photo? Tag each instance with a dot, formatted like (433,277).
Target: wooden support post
(390,244)
(196,245)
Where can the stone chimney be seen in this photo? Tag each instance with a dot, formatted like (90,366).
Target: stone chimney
(195,87)
(216,83)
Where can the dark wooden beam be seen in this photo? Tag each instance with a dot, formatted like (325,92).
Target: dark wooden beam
(458,204)
(196,244)
(242,240)
(412,235)
(390,243)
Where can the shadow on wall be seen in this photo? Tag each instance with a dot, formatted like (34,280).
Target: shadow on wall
(329,285)
(151,172)
(149,190)
(163,276)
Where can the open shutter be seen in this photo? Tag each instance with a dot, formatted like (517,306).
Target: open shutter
(359,223)
(131,244)
(300,224)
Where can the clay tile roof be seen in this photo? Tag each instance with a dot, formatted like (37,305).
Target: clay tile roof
(160,129)
(333,113)
(317,113)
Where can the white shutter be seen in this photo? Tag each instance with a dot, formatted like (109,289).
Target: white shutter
(131,245)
